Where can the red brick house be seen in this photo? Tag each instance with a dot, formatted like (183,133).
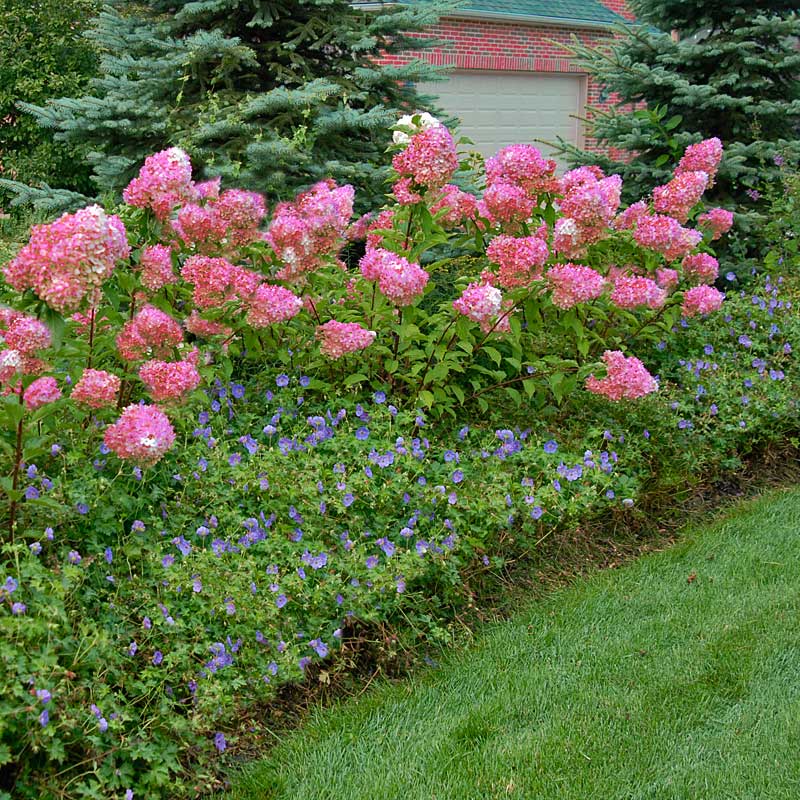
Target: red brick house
(511,82)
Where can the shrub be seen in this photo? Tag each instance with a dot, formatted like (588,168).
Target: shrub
(260,448)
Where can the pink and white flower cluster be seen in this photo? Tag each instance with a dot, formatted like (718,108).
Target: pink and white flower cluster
(311,228)
(573,284)
(589,204)
(96,388)
(515,179)
(626,378)
(429,159)
(165,181)
(67,261)
(169,381)
(151,333)
(520,259)
(399,280)
(635,291)
(25,337)
(339,338)
(482,303)
(142,434)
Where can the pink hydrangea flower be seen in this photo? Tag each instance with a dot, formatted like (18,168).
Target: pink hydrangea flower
(680,195)
(169,381)
(230,221)
(480,302)
(633,291)
(524,166)
(150,333)
(626,378)
(215,281)
(164,181)
(701,300)
(142,434)
(666,235)
(400,280)
(704,156)
(429,159)
(205,328)
(568,238)
(27,335)
(718,220)
(96,388)
(573,284)
(520,259)
(311,228)
(271,305)
(41,392)
(592,203)
(454,207)
(67,261)
(339,338)
(700,267)
(630,216)
(404,193)
(384,221)
(156,267)
(507,203)
(667,278)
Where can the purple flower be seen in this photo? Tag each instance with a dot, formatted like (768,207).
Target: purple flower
(387,546)
(536,512)
(31,493)
(44,718)
(551,446)
(44,696)
(183,545)
(319,647)
(379,397)
(82,508)
(35,548)
(237,390)
(219,742)
(168,560)
(451,455)
(458,476)
(281,600)
(235,459)
(74,557)
(745,341)
(132,648)
(372,562)
(158,657)
(10,585)
(102,724)
(348,500)
(18,609)
(282,381)
(362,434)
(109,555)
(304,662)
(138,526)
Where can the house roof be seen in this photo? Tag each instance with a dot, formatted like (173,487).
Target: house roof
(569,13)
(556,11)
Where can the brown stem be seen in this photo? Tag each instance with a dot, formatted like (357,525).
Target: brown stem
(15,475)
(92,313)
(408,227)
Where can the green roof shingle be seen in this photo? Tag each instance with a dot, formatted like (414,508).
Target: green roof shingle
(572,10)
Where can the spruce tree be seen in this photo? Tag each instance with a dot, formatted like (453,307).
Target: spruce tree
(693,69)
(271,94)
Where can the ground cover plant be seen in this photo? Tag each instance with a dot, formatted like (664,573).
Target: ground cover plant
(672,677)
(229,444)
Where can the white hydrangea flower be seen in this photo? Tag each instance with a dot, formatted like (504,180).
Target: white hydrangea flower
(426,121)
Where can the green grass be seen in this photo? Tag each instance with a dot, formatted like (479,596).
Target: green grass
(641,683)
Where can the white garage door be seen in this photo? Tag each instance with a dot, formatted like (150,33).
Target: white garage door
(501,108)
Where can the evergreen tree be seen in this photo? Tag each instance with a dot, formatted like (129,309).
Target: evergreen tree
(273,94)
(42,55)
(724,68)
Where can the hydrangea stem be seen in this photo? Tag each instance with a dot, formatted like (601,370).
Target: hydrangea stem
(12,511)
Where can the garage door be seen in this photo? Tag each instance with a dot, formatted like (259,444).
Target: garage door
(501,108)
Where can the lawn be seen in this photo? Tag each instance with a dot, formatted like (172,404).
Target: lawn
(675,677)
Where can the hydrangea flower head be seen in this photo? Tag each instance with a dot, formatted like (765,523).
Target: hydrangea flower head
(142,434)
(573,284)
(718,220)
(703,156)
(156,267)
(339,338)
(272,304)
(666,235)
(67,261)
(151,332)
(27,335)
(163,182)
(454,207)
(96,388)
(522,165)
(701,300)
(700,267)
(169,381)
(520,259)
(41,392)
(634,291)
(429,159)
(481,302)
(626,378)
(677,198)
(400,280)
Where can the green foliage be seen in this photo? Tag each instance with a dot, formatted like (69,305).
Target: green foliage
(42,54)
(730,74)
(666,678)
(275,97)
